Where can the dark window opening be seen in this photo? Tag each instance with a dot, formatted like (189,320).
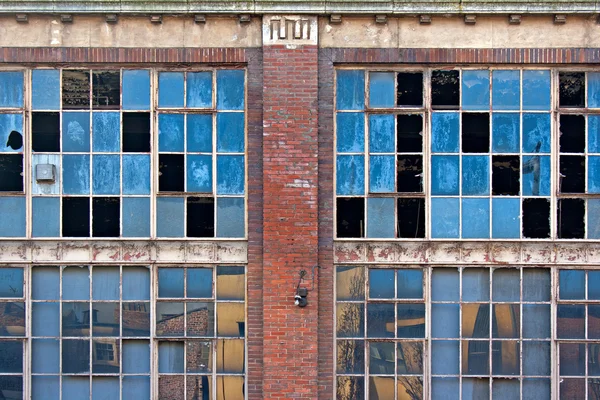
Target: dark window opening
(445,89)
(171,173)
(536,218)
(571,214)
(506,172)
(572,133)
(411,218)
(572,89)
(106,89)
(410,133)
(572,174)
(45,131)
(200,217)
(76,216)
(410,174)
(106,216)
(136,132)
(476,132)
(15,140)
(11,172)
(75,88)
(410,89)
(350,217)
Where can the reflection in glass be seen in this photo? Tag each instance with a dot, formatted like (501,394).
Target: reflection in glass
(75,356)
(571,284)
(11,282)
(410,358)
(350,320)
(76,319)
(505,357)
(594,389)
(350,283)
(570,321)
(230,388)
(380,320)
(231,319)
(507,321)
(572,359)
(199,387)
(11,356)
(476,320)
(13,385)
(105,319)
(105,356)
(230,356)
(411,320)
(475,359)
(169,319)
(136,319)
(593,322)
(200,319)
(199,356)
(350,388)
(381,358)
(594,359)
(230,283)
(572,389)
(475,389)
(410,388)
(350,356)
(171,387)
(381,387)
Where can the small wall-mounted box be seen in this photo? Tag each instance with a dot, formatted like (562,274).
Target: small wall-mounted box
(45,173)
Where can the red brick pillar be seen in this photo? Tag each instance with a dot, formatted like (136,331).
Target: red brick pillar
(290,221)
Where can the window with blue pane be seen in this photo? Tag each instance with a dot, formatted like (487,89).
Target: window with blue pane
(201,154)
(12,330)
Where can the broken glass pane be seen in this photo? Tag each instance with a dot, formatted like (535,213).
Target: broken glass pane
(571,89)
(475,218)
(169,216)
(136,132)
(350,132)
(45,87)
(11,172)
(444,217)
(11,133)
(536,133)
(381,89)
(536,218)
(572,133)
(106,220)
(506,175)
(411,218)
(444,175)
(506,90)
(230,132)
(475,175)
(536,89)
(136,174)
(136,217)
(410,89)
(410,174)
(199,133)
(444,132)
(230,217)
(445,90)
(230,174)
(76,88)
(350,175)
(75,132)
(410,134)
(506,218)
(350,89)
(11,89)
(170,89)
(170,132)
(230,89)
(380,225)
(536,175)
(350,217)
(75,216)
(46,216)
(106,131)
(444,321)
(476,90)
(505,132)
(572,174)
(12,215)
(171,173)
(106,89)
(106,177)
(475,133)
(200,217)
(45,131)
(136,89)
(382,174)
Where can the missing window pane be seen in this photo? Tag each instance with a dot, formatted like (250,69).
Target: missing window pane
(572,89)
(11,172)
(350,217)
(572,133)
(171,173)
(76,217)
(571,224)
(136,132)
(200,217)
(572,174)
(410,174)
(410,133)
(445,89)
(106,89)
(75,88)
(410,89)
(475,132)
(411,218)
(45,131)
(536,218)
(506,172)
(106,216)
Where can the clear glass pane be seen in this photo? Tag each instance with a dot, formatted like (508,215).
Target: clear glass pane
(475,389)
(106,319)
(105,388)
(76,319)
(475,360)
(136,174)
(445,389)
(43,387)
(506,357)
(170,319)
(201,319)
(379,223)
(136,319)
(199,356)
(572,359)
(410,357)
(570,321)
(380,320)
(199,132)
(572,284)
(476,320)
(411,320)
(200,282)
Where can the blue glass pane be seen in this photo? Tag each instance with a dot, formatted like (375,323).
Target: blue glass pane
(536,389)
(170,357)
(170,89)
(350,132)
(169,217)
(11,142)
(445,389)
(136,90)
(230,89)
(381,284)
(11,282)
(536,133)
(475,218)
(46,283)
(594,133)
(382,174)
(444,175)
(106,283)
(350,175)
(106,174)
(170,282)
(105,388)
(445,320)
(445,218)
(199,173)
(536,358)
(444,357)
(136,388)
(106,131)
(536,321)
(475,175)
(136,357)
(445,284)
(444,132)
(506,218)
(409,284)
(536,175)
(76,387)
(380,218)
(506,90)
(76,283)
(475,388)
(505,133)
(593,86)
(594,285)
(594,174)
(45,356)
(503,389)
(230,217)
(170,132)
(382,89)
(136,174)
(381,133)
(571,284)
(476,285)
(45,89)
(12,215)
(45,387)
(536,90)
(199,132)
(199,89)
(230,175)
(476,90)
(11,89)
(350,93)
(230,132)
(593,222)
(200,282)
(76,174)
(75,131)
(136,217)
(136,283)
(45,319)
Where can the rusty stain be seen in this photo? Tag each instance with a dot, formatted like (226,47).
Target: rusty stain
(129,256)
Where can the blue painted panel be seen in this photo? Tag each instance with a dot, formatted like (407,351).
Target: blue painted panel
(136,283)
(76,387)
(136,174)
(536,90)
(382,131)
(76,131)
(105,388)
(136,89)
(105,283)
(381,284)
(230,89)
(444,388)
(199,173)
(593,174)
(170,89)
(45,89)
(506,132)
(46,216)
(231,217)
(350,90)
(445,284)
(350,132)
(444,357)
(106,174)
(169,217)
(350,177)
(45,319)
(506,90)
(106,131)
(536,358)
(199,281)
(76,283)
(593,133)
(136,357)
(593,87)
(536,133)
(170,357)
(475,175)
(136,387)
(409,284)
(230,132)
(230,174)
(506,219)
(536,388)
(536,175)
(593,219)
(571,284)
(199,133)
(76,174)
(444,175)
(45,387)
(170,132)
(476,90)
(380,218)
(45,283)
(45,356)
(445,130)
(475,218)
(382,174)
(11,89)
(12,215)
(382,89)
(445,320)
(444,218)
(8,140)
(199,89)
